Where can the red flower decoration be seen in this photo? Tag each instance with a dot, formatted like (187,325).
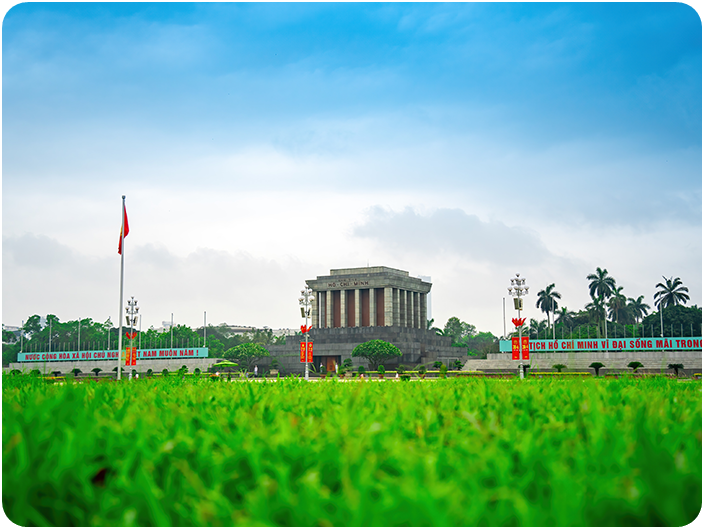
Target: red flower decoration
(131,336)
(518,321)
(305,329)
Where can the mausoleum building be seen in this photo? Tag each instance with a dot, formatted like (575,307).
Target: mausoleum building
(369,297)
(354,305)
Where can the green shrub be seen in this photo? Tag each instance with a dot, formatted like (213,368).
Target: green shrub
(381,370)
(376,352)
(596,366)
(559,367)
(361,370)
(635,365)
(676,368)
(165,373)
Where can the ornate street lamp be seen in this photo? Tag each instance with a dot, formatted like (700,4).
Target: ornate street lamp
(517,290)
(306,301)
(132,310)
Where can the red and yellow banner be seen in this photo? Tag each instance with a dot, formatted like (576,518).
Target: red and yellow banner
(516,350)
(131,356)
(307,356)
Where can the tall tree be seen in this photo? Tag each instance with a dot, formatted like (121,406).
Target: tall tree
(618,307)
(671,293)
(637,308)
(601,287)
(595,310)
(458,330)
(537,328)
(547,303)
(565,317)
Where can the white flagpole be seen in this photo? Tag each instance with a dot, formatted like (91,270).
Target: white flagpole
(122,280)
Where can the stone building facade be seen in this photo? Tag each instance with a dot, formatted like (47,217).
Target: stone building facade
(369,297)
(354,305)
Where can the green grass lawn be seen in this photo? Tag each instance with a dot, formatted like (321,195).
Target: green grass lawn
(446,452)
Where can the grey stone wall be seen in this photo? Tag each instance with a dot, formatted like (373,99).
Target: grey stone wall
(417,345)
(172,364)
(614,361)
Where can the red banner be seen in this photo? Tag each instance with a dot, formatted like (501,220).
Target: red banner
(134,356)
(310,352)
(128,358)
(303,352)
(526,347)
(516,350)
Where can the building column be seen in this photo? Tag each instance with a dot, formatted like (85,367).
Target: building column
(357,309)
(389,306)
(372,307)
(406,322)
(416,310)
(314,310)
(413,309)
(328,309)
(423,311)
(401,308)
(343,308)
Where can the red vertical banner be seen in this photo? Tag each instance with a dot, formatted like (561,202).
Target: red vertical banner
(134,356)
(526,348)
(303,351)
(515,354)
(310,352)
(128,352)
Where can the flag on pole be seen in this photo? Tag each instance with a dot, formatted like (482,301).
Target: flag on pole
(125,226)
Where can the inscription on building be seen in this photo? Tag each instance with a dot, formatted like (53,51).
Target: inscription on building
(348,283)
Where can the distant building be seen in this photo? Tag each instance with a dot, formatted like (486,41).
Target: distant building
(354,305)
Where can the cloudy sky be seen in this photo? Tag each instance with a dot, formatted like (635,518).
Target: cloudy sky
(260,145)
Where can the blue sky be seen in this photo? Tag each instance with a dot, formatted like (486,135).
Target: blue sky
(263,144)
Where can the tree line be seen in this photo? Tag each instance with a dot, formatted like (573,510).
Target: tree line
(86,334)
(611,313)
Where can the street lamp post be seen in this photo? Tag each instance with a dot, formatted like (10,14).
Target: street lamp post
(306,300)
(132,310)
(518,289)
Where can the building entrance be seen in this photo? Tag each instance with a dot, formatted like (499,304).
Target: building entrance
(328,363)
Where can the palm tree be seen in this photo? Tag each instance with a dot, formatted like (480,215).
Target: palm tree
(602,285)
(637,308)
(565,317)
(546,303)
(537,327)
(671,293)
(618,307)
(595,309)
